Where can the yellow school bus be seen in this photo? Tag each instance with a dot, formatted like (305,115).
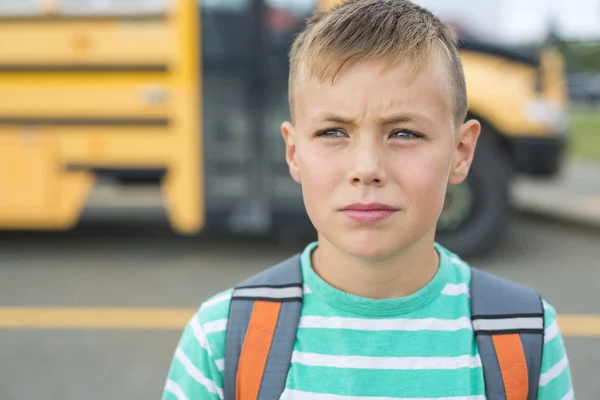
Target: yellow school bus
(189,95)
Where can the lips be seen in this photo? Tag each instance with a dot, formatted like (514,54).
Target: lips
(369,213)
(369,207)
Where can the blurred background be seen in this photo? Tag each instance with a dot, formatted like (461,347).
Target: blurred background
(142,170)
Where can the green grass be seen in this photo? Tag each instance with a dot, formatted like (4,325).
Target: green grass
(585,134)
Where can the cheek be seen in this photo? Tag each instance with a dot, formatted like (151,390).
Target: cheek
(318,161)
(321,175)
(423,177)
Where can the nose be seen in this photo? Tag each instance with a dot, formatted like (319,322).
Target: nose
(368,166)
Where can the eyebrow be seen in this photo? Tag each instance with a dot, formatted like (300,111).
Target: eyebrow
(395,119)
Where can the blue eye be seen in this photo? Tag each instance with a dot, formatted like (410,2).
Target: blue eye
(331,134)
(405,135)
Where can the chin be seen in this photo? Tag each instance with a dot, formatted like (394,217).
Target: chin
(370,244)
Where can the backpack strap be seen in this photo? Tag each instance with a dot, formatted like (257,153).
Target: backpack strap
(261,330)
(508,321)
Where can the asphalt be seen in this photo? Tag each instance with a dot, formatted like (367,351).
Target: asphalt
(572,197)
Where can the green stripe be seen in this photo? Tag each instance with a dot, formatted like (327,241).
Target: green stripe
(381,343)
(559,385)
(444,307)
(217,344)
(553,353)
(549,314)
(404,384)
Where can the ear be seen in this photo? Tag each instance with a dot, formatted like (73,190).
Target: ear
(288,132)
(465,143)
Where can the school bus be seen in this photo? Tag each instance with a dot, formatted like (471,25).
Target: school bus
(189,95)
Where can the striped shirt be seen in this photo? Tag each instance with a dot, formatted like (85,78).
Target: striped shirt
(347,347)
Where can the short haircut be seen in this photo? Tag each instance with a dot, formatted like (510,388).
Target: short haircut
(389,30)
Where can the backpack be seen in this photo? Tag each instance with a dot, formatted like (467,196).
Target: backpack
(507,319)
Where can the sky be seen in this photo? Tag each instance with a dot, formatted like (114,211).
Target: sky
(505,20)
(522,20)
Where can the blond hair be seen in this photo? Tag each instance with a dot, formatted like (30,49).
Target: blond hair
(388,30)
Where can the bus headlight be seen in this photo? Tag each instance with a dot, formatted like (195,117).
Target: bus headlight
(550,114)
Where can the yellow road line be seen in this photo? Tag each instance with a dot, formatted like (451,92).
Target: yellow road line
(176,318)
(579,325)
(94,318)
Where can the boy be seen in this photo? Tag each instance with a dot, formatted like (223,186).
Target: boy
(378,104)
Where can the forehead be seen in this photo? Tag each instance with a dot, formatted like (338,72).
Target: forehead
(376,89)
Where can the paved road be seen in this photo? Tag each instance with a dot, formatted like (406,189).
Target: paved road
(574,194)
(148,267)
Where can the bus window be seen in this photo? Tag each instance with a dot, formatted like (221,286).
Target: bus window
(227,50)
(245,71)
(233,6)
(299,8)
(283,20)
(112,7)
(225,27)
(12,8)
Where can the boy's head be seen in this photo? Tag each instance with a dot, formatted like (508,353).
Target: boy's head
(378,103)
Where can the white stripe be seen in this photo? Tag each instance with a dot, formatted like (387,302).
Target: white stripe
(217,300)
(456,289)
(267,292)
(397,324)
(546,305)
(306,289)
(551,332)
(199,334)
(202,339)
(173,387)
(290,394)
(460,263)
(554,372)
(570,395)
(457,261)
(508,324)
(393,363)
(219,325)
(197,374)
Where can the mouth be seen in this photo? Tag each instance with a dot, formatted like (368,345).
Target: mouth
(365,213)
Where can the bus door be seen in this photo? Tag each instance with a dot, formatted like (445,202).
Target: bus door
(244,59)
(229,113)
(282,21)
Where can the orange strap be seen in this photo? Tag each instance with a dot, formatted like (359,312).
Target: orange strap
(513,365)
(255,350)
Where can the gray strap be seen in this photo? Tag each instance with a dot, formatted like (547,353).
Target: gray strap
(501,307)
(280,283)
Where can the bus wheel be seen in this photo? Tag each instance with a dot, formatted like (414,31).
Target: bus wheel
(476,212)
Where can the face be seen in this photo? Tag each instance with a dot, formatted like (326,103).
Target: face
(374,153)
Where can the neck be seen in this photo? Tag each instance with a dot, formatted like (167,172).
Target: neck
(397,275)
